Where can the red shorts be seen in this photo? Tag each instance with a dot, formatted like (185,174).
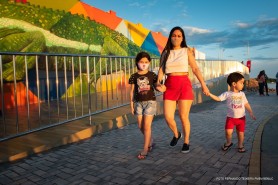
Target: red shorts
(238,122)
(178,88)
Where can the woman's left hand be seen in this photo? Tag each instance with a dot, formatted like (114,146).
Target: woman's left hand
(206,90)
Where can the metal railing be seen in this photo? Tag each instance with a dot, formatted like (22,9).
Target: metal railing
(42,90)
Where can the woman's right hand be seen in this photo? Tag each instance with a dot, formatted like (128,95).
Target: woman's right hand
(159,82)
(161,88)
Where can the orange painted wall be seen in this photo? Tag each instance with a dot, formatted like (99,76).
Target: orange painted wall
(78,8)
(109,19)
(160,40)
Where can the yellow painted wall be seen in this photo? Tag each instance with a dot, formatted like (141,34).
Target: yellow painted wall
(137,32)
(55,4)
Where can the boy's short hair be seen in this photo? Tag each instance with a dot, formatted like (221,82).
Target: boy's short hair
(141,55)
(234,77)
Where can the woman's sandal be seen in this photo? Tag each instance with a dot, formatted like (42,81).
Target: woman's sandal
(142,156)
(225,148)
(241,150)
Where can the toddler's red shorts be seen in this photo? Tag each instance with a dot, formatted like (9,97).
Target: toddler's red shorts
(238,122)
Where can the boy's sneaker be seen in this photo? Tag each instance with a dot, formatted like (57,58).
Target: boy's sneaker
(185,148)
(175,140)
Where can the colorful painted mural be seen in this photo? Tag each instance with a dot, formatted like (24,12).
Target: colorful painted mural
(72,26)
(37,13)
(141,36)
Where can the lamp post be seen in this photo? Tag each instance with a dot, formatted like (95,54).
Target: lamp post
(221,53)
(248,50)
(248,62)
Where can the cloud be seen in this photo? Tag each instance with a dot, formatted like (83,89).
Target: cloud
(178,4)
(139,4)
(264,47)
(206,38)
(134,4)
(241,25)
(189,31)
(184,13)
(265,58)
(193,30)
(160,26)
(152,3)
(262,32)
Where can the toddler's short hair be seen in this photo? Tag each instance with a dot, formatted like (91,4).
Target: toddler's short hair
(234,77)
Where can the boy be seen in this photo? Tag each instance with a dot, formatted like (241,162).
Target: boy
(236,104)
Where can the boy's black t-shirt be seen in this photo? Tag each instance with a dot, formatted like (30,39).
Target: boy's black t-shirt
(144,86)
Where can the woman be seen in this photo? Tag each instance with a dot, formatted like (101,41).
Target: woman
(277,83)
(261,81)
(174,62)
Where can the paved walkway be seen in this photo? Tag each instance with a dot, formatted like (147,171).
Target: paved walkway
(110,158)
(269,157)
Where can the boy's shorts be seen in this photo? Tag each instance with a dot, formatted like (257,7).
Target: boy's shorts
(178,88)
(145,108)
(238,122)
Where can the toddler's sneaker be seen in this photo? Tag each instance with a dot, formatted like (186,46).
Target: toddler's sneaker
(185,148)
(175,140)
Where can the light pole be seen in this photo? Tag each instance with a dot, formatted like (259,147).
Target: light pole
(248,62)
(247,48)
(221,53)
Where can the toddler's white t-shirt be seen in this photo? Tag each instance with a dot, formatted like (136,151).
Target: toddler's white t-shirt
(235,103)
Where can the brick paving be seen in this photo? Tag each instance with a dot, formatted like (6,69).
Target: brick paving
(110,157)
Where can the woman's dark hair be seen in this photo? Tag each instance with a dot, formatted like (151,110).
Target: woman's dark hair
(234,77)
(141,55)
(260,74)
(169,46)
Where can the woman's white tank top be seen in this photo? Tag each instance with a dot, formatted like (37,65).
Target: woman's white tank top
(177,61)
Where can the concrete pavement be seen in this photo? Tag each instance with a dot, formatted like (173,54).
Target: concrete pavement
(110,157)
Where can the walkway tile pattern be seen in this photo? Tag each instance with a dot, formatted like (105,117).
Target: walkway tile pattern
(110,158)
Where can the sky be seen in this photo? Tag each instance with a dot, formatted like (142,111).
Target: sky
(226,30)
